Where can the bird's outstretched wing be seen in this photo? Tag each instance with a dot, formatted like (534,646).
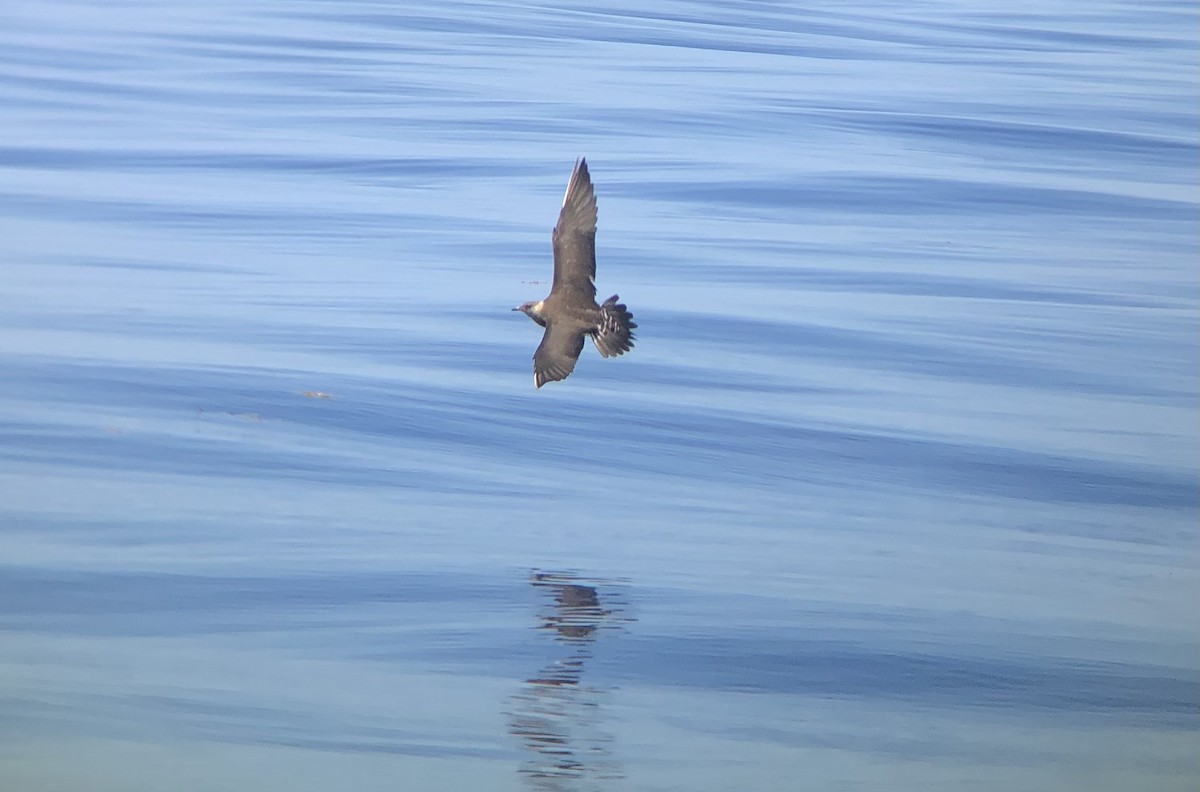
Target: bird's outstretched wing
(574,240)
(556,356)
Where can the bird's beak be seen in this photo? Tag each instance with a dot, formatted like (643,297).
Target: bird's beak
(517,308)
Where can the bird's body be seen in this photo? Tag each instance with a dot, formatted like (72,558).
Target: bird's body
(570,311)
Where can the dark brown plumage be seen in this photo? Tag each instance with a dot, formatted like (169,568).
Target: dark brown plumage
(570,311)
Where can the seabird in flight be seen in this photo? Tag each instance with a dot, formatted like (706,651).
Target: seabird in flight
(570,311)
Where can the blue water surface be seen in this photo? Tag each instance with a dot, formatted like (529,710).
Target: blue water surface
(897,491)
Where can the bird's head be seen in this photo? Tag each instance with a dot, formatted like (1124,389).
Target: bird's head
(533,310)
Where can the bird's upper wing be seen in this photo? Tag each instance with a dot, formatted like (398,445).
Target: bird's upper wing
(574,239)
(556,356)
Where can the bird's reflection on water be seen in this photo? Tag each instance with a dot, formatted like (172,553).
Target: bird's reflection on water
(555,715)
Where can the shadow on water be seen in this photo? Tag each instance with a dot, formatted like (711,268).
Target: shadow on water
(556,715)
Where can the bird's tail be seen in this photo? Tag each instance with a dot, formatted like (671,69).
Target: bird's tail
(614,336)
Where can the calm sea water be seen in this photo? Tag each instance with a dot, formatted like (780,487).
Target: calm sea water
(898,490)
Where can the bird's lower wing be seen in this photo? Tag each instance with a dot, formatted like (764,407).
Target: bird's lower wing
(556,356)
